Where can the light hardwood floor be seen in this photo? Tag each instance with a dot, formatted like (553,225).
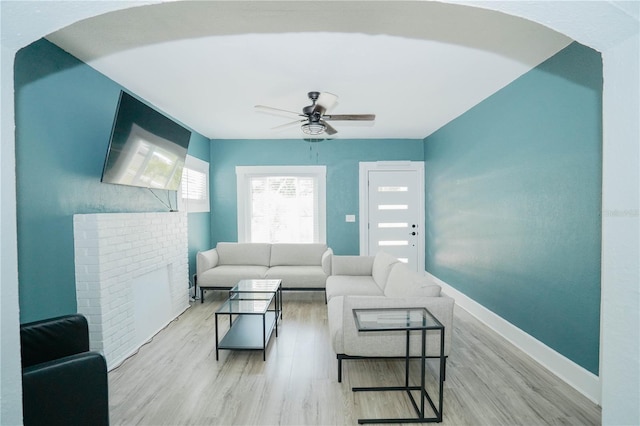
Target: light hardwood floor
(176,380)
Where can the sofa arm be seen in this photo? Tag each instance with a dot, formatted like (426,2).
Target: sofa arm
(391,343)
(352,265)
(206,260)
(69,391)
(326,261)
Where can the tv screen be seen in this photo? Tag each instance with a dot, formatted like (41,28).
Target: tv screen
(146,148)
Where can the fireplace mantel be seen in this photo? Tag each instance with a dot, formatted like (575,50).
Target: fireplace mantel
(132,277)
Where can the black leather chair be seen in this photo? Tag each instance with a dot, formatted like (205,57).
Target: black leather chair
(63,383)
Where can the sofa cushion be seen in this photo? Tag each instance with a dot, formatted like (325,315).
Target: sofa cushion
(228,275)
(382,264)
(403,282)
(297,254)
(243,253)
(340,285)
(400,280)
(298,276)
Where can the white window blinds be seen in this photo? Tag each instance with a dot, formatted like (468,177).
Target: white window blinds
(193,195)
(282,209)
(194,185)
(281,205)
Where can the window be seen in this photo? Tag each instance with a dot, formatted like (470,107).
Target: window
(193,195)
(281,204)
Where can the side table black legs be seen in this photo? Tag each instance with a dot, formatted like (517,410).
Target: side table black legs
(405,319)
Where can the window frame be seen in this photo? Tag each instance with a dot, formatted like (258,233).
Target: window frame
(243,179)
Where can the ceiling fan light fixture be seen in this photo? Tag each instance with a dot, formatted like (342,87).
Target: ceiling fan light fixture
(313,128)
(314,117)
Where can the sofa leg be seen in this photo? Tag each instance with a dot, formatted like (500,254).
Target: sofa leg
(339,369)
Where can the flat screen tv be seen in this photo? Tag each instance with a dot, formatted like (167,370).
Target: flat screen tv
(146,149)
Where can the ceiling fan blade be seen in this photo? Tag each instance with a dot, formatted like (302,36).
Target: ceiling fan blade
(328,129)
(345,117)
(326,101)
(265,108)
(287,125)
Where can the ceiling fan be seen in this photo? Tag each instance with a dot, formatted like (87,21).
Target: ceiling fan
(315,117)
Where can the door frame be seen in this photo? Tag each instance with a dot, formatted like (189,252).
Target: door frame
(364,168)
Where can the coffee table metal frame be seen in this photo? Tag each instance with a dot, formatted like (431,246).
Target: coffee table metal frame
(256,289)
(407,320)
(251,321)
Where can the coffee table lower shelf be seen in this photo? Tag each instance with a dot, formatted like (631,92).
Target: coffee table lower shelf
(248,332)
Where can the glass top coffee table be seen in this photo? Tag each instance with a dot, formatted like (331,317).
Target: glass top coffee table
(405,320)
(254,308)
(259,289)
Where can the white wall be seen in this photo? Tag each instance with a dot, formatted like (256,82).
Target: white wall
(10,381)
(22,23)
(610,27)
(620,315)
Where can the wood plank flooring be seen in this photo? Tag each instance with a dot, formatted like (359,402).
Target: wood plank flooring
(176,380)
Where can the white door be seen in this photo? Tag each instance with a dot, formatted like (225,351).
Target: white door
(395,211)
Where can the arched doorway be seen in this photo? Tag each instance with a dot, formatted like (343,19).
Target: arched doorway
(602,26)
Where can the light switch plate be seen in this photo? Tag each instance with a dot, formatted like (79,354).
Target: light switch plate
(350,218)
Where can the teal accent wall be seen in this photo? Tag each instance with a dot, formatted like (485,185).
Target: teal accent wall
(199,224)
(339,155)
(514,203)
(64,113)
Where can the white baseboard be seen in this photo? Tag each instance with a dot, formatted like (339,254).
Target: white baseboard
(577,377)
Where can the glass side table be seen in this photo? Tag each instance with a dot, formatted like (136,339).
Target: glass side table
(405,320)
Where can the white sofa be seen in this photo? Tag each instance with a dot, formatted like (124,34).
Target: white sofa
(381,281)
(299,266)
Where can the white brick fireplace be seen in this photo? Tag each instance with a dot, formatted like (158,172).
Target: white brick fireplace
(132,277)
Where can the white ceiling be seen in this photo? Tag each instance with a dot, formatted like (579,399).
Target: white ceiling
(416,65)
